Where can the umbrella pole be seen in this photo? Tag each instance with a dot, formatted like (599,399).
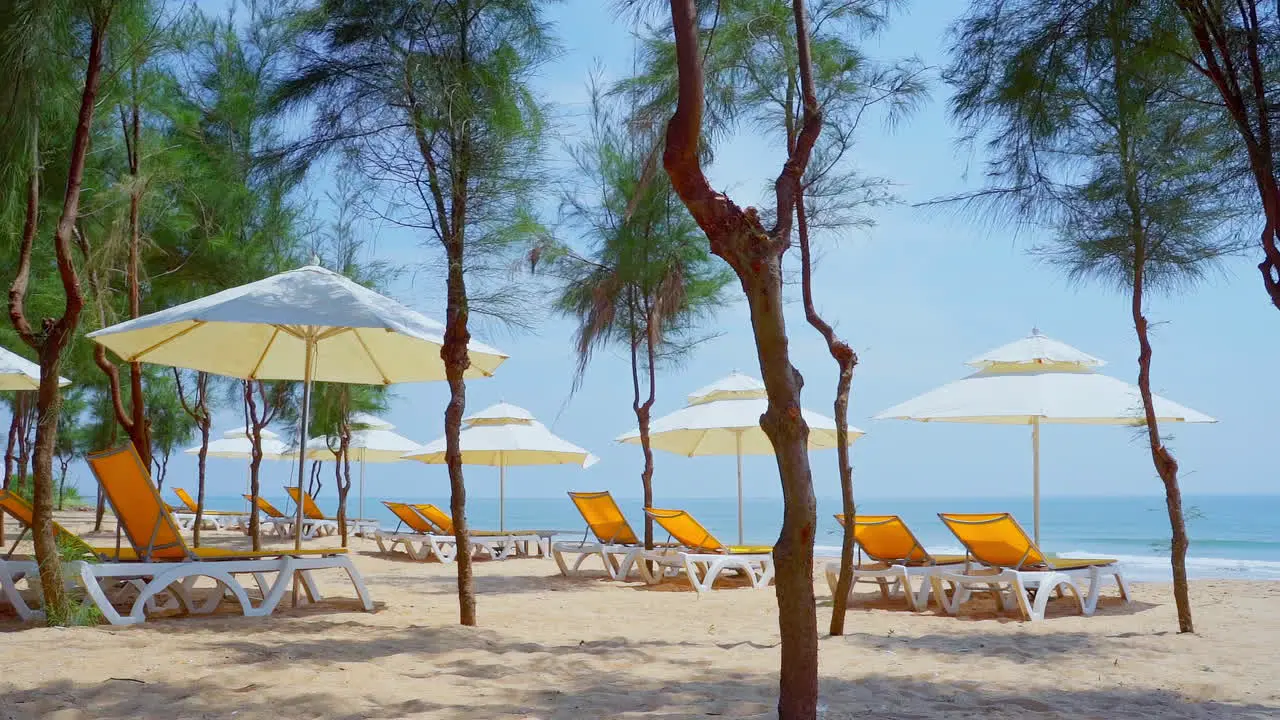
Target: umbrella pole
(310,341)
(740,533)
(502,492)
(361,515)
(1035,454)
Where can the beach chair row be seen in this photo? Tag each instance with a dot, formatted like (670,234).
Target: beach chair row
(1000,559)
(425,532)
(151,567)
(314,522)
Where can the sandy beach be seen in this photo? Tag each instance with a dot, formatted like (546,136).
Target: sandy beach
(553,647)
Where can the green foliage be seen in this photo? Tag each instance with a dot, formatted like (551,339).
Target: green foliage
(648,279)
(1082,107)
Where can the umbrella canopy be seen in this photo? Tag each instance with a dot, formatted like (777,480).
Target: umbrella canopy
(1033,381)
(19,373)
(503,435)
(723,418)
(306,324)
(235,445)
(262,331)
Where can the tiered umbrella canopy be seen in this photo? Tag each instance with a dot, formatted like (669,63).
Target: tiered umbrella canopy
(306,324)
(371,442)
(723,418)
(504,435)
(1038,380)
(19,373)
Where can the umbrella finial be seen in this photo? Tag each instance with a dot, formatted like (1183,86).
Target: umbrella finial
(1035,331)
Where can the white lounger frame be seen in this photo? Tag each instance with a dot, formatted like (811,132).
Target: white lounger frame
(702,569)
(892,579)
(1031,588)
(443,547)
(149,580)
(617,559)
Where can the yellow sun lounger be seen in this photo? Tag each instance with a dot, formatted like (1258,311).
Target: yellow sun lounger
(316,523)
(898,559)
(279,523)
(1013,561)
(166,564)
(527,543)
(16,569)
(426,540)
(615,542)
(701,556)
(185,513)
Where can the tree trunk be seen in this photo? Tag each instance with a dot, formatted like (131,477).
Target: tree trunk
(9,457)
(1167,468)
(62,481)
(756,257)
(846,360)
(456,362)
(201,468)
(342,477)
(642,410)
(255,462)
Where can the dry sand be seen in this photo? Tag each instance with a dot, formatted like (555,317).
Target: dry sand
(551,647)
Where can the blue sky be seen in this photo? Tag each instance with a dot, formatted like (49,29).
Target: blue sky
(916,295)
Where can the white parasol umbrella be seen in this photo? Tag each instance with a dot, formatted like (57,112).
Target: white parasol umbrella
(1038,380)
(235,445)
(306,324)
(504,435)
(371,442)
(19,373)
(723,418)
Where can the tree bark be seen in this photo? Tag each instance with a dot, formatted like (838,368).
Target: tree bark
(1245,93)
(255,461)
(342,472)
(755,255)
(54,337)
(642,409)
(846,360)
(456,362)
(199,412)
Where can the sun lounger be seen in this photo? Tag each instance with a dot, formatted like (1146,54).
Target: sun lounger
(272,520)
(897,558)
(425,541)
(319,524)
(701,556)
(1012,560)
(17,569)
(185,513)
(165,564)
(615,542)
(522,543)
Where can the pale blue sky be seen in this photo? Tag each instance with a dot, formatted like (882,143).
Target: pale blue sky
(916,296)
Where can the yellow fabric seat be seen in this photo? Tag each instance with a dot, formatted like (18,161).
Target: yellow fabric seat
(996,539)
(192,506)
(444,523)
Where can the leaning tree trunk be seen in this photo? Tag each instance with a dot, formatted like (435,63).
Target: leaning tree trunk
(14,422)
(846,360)
(202,461)
(1167,468)
(342,478)
(456,362)
(56,334)
(755,255)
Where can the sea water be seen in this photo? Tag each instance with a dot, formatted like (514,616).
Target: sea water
(1232,537)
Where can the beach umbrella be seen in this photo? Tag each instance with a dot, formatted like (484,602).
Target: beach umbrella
(1033,381)
(723,418)
(371,442)
(19,373)
(235,445)
(504,435)
(307,324)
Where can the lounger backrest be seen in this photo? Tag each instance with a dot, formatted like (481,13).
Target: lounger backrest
(142,515)
(309,508)
(266,507)
(886,538)
(409,517)
(685,530)
(436,517)
(21,510)
(185,498)
(994,539)
(604,517)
